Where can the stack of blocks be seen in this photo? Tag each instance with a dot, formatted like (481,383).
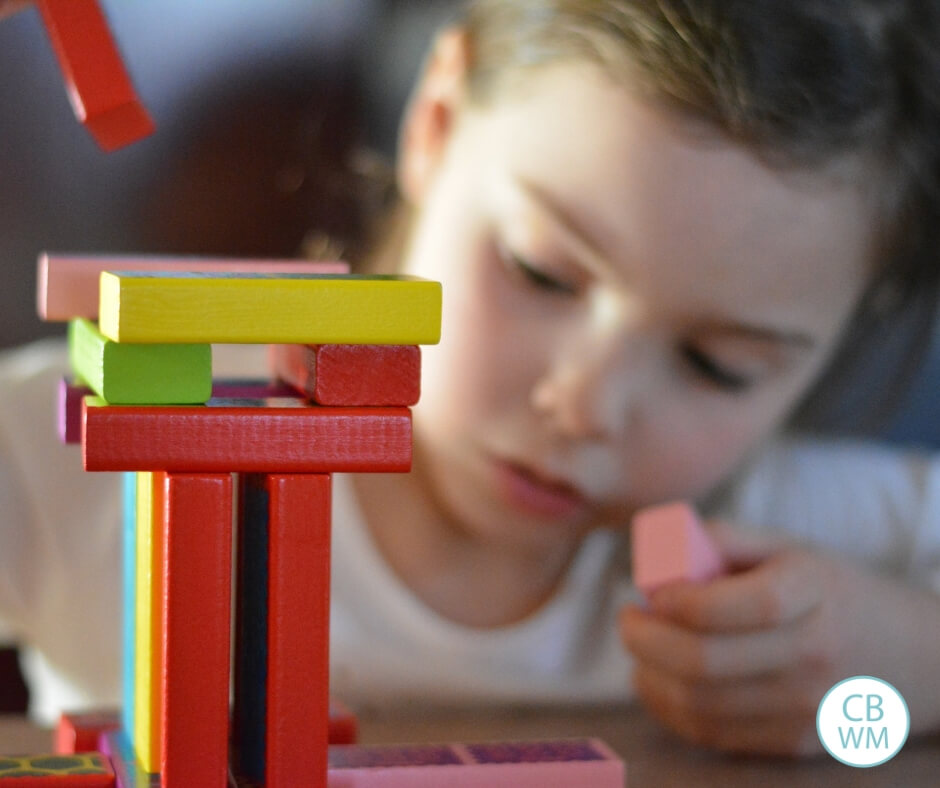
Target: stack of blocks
(347,367)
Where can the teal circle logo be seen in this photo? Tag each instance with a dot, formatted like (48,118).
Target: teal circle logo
(863,721)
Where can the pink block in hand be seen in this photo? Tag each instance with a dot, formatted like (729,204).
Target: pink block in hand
(68,284)
(670,544)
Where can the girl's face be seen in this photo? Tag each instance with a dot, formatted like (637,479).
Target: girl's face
(629,305)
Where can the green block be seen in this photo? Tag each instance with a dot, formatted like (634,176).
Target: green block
(131,374)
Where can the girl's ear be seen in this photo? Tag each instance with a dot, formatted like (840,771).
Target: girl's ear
(429,116)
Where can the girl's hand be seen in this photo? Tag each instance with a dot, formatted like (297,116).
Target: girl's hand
(741,663)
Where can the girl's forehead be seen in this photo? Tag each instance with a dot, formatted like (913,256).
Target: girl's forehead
(665,201)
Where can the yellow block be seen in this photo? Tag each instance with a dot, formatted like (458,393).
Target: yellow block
(148,629)
(149,307)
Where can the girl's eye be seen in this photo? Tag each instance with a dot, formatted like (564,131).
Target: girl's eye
(535,276)
(710,370)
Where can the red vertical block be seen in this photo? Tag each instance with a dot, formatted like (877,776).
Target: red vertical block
(297,724)
(197,551)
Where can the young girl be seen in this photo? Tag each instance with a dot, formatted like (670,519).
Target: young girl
(657,224)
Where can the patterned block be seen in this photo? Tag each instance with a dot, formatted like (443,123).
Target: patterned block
(85,770)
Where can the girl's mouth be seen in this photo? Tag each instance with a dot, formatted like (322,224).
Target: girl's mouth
(537,494)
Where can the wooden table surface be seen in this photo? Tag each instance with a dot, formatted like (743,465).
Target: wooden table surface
(653,756)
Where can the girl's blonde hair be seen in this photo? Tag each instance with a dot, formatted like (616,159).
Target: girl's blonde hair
(800,82)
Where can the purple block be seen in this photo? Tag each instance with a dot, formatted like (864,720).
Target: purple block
(251,388)
(69,410)
(127,772)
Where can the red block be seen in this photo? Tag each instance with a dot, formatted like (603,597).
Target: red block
(262,436)
(298,630)
(79,732)
(197,551)
(344,726)
(97,82)
(363,375)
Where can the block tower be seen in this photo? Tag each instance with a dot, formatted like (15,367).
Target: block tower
(199,455)
(142,346)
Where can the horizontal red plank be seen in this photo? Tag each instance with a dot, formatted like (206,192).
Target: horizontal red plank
(269,436)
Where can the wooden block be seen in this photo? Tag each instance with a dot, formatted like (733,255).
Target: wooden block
(670,544)
(197,569)
(301,308)
(281,728)
(98,85)
(127,771)
(559,764)
(80,731)
(344,726)
(84,770)
(148,625)
(129,593)
(69,410)
(67,285)
(127,374)
(245,436)
(352,375)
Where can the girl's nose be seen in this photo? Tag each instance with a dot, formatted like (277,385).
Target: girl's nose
(591,387)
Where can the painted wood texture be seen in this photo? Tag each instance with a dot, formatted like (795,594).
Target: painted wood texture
(281,717)
(353,375)
(264,436)
(129,374)
(253,308)
(96,81)
(197,569)
(147,623)
(67,285)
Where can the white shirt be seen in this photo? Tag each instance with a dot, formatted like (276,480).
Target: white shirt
(60,566)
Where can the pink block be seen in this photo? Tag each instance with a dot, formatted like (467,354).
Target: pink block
(69,410)
(670,544)
(68,284)
(543,764)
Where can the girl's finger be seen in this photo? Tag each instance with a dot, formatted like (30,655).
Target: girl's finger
(708,657)
(779,591)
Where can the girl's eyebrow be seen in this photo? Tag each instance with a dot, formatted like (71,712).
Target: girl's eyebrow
(586,248)
(797,339)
